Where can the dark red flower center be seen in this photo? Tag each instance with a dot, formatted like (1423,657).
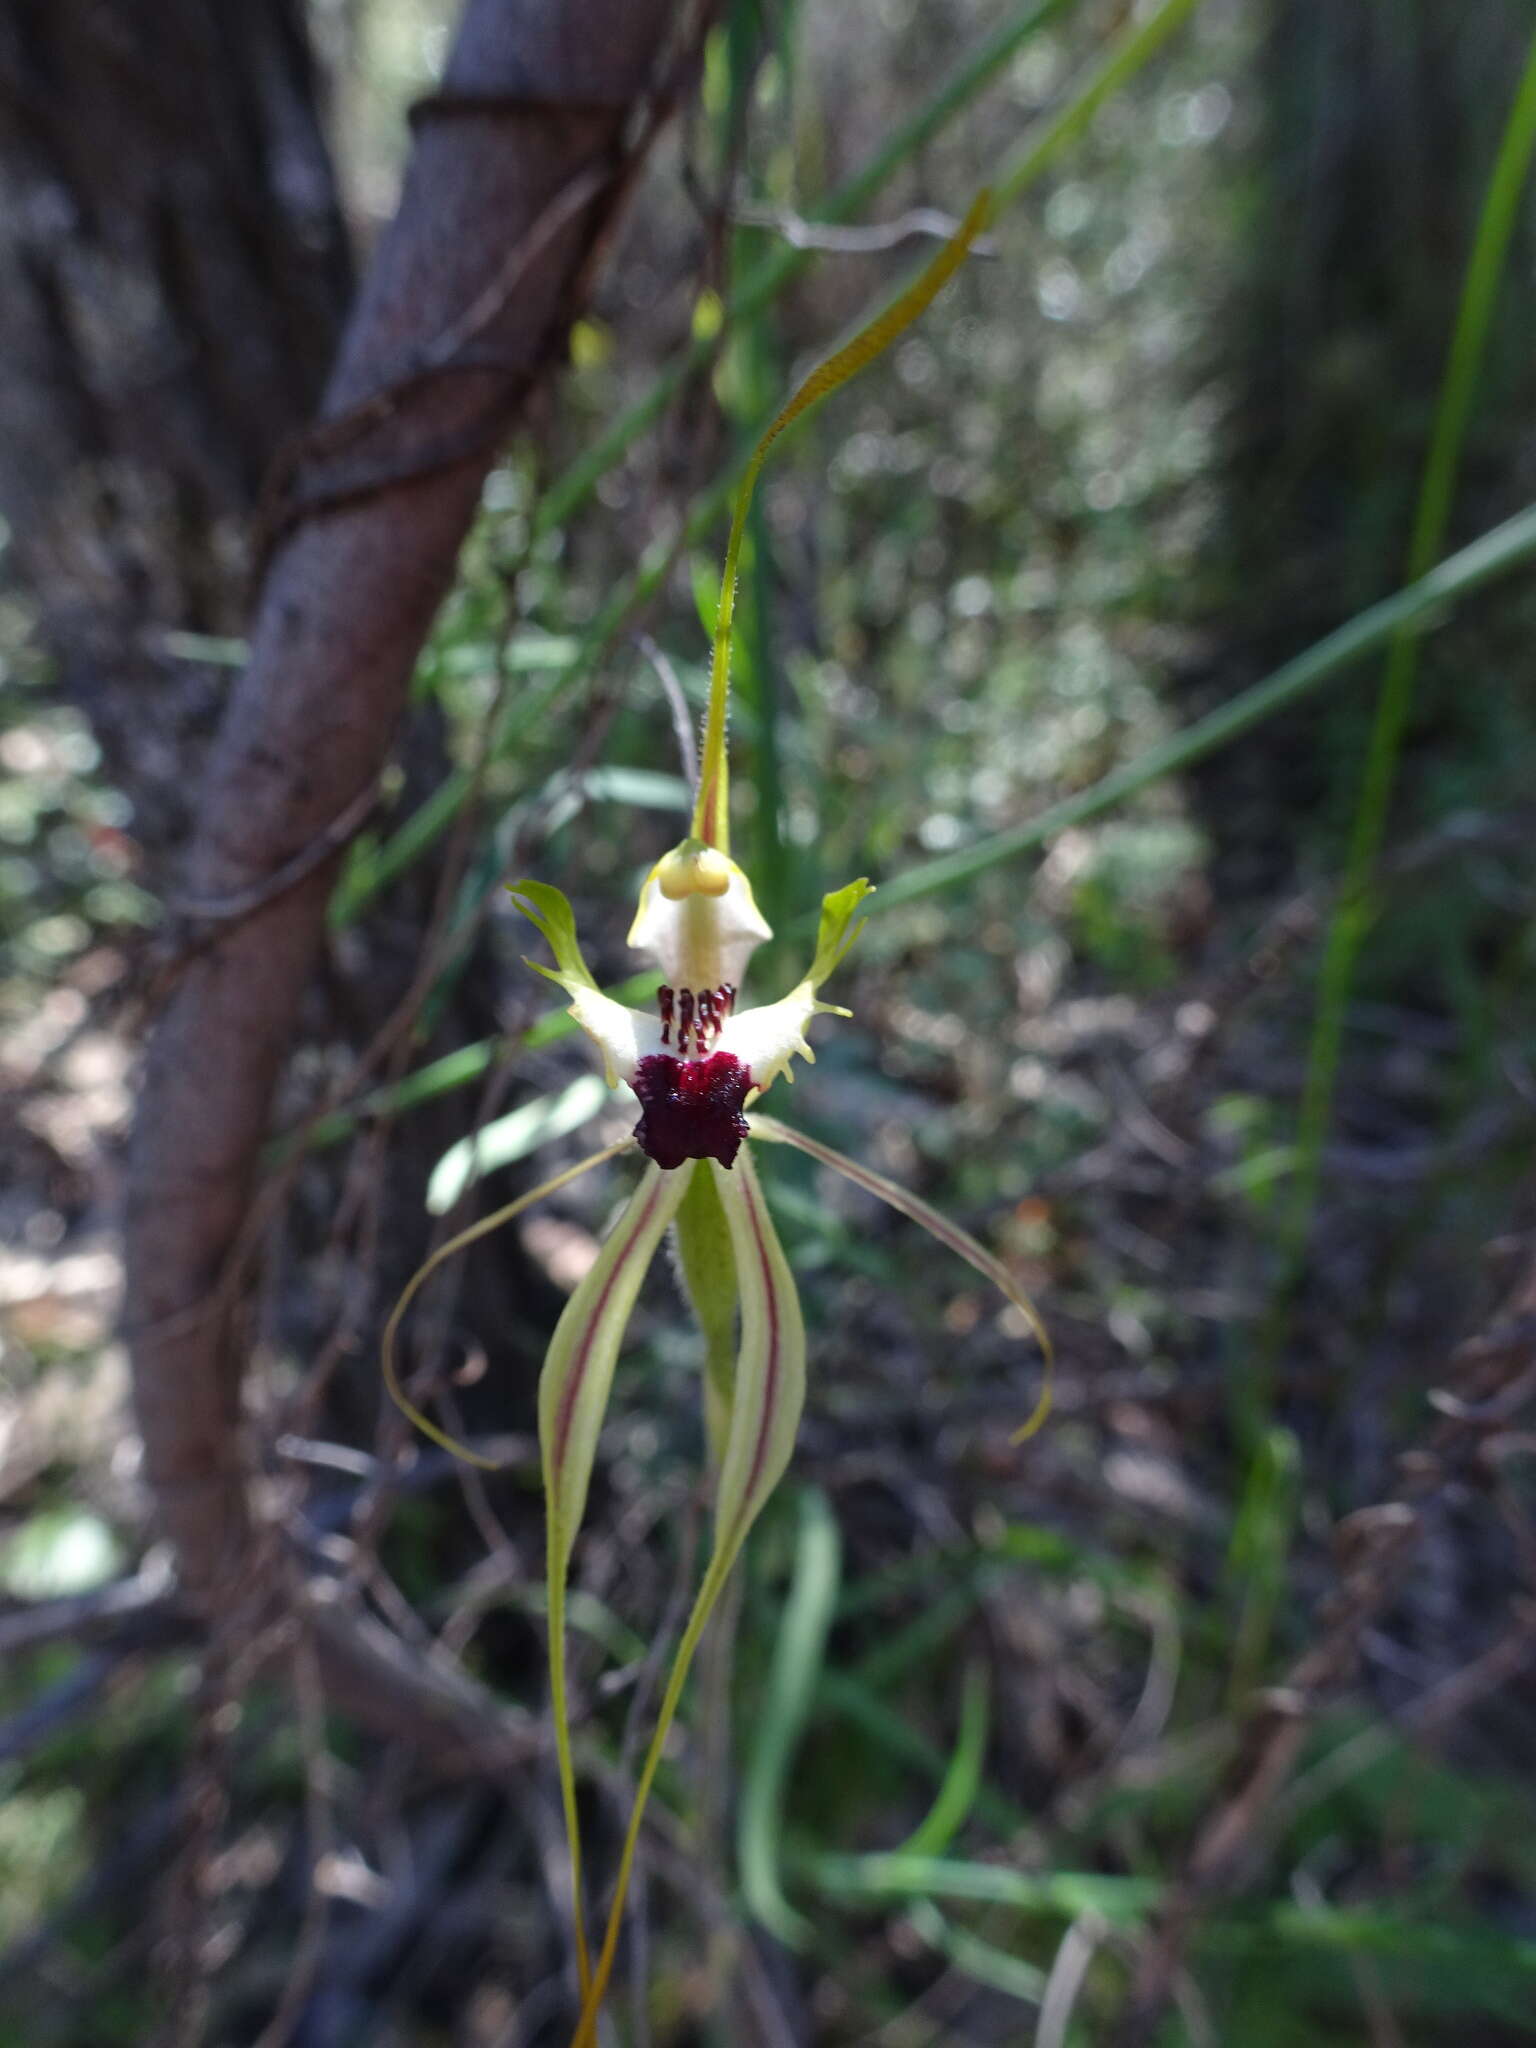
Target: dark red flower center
(691,1109)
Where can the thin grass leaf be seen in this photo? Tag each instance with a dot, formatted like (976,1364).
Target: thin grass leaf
(909,1647)
(512,1137)
(799,1653)
(768,1395)
(962,1781)
(974,1957)
(1257,1555)
(849,1700)
(781,265)
(959,1241)
(573,1398)
(1422,607)
(447,1251)
(1442,462)
(458,1069)
(1116,65)
(371,871)
(1067,1894)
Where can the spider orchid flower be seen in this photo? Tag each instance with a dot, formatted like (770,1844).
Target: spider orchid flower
(699,1065)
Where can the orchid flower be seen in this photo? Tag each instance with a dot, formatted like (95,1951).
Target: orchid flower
(699,1065)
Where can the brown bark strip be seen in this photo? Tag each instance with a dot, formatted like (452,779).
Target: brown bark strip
(349,594)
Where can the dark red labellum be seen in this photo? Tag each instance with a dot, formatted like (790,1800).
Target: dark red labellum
(691,1109)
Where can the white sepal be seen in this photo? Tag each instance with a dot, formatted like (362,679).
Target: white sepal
(623,1036)
(766,1039)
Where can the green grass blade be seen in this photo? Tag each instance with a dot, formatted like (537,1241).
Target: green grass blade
(962,1781)
(849,1700)
(1420,607)
(1123,1901)
(1352,916)
(458,1069)
(1117,65)
(512,1137)
(793,1677)
(980,1959)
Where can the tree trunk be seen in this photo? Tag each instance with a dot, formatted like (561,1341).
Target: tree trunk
(516,175)
(173,277)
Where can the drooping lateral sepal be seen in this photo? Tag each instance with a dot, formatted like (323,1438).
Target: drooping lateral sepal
(578,1367)
(574,1387)
(767,1395)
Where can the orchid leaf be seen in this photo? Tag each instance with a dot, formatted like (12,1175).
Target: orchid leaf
(959,1241)
(963,1778)
(794,1676)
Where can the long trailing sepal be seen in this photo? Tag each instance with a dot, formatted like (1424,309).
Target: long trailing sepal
(768,1395)
(959,1241)
(444,1252)
(573,1398)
